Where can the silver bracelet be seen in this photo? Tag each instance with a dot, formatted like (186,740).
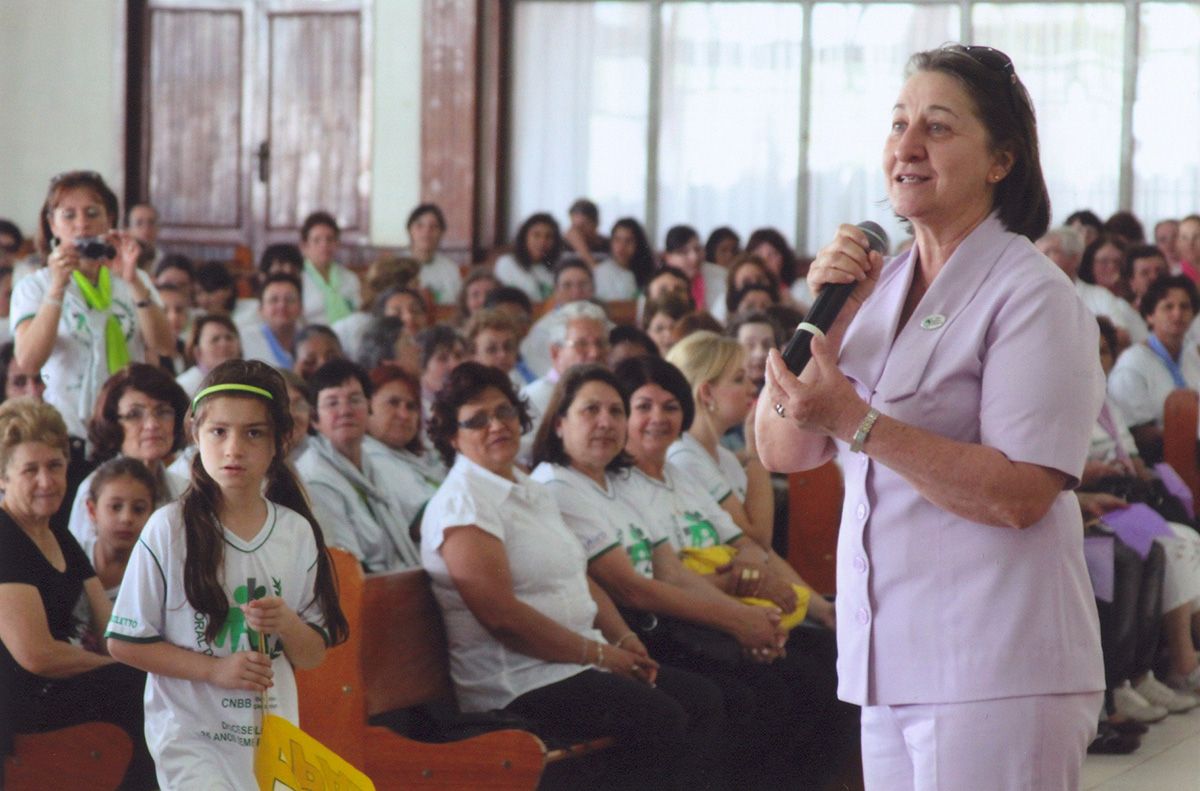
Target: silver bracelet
(864,429)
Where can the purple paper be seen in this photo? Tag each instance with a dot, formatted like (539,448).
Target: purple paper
(1098,552)
(1138,526)
(1176,486)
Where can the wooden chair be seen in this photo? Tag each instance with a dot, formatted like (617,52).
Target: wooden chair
(93,755)
(1179,437)
(396,659)
(814,514)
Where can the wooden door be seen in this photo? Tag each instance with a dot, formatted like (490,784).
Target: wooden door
(255,113)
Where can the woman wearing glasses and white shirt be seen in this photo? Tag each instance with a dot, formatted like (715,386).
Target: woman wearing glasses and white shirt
(961,406)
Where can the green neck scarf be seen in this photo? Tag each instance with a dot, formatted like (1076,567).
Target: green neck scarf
(100,298)
(336,306)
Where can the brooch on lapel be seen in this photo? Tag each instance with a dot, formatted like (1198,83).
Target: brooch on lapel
(933,322)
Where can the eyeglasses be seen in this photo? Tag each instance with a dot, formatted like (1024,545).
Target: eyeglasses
(481,420)
(161,414)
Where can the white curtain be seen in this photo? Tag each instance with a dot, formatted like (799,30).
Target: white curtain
(728,146)
(1069,56)
(859,54)
(1166,114)
(579,108)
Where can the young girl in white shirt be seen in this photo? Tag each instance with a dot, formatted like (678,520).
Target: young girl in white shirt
(231,560)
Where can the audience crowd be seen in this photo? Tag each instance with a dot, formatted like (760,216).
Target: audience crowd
(564,440)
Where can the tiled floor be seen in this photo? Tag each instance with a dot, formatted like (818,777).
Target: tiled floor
(1168,760)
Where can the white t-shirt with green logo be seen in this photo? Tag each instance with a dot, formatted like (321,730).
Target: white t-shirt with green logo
(678,509)
(597,517)
(202,736)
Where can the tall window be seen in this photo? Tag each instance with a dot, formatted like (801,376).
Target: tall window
(774,112)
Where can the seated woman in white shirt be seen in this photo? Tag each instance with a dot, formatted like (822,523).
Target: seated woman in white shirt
(426,225)
(530,265)
(352,498)
(769,246)
(215,339)
(624,273)
(722,246)
(382,276)
(272,338)
(316,345)
(1146,373)
(524,630)
(476,286)
(492,337)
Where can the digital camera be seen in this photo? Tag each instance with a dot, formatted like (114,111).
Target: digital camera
(96,248)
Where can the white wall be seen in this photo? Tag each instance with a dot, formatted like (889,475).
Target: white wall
(396,145)
(62,90)
(60,96)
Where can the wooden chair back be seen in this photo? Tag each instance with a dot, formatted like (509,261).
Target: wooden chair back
(1180,412)
(814,514)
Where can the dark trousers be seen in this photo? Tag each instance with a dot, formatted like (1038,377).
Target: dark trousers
(108,694)
(668,736)
(1131,623)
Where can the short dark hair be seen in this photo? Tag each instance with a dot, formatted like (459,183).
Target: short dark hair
(464,384)
(716,237)
(311,330)
(1006,111)
(572,263)
(105,432)
(734,297)
(670,271)
(387,373)
(439,336)
(319,218)
(521,244)
(547,445)
(176,261)
(284,251)
(280,277)
(1085,217)
(335,373)
(740,320)
(381,299)
(636,372)
(1159,289)
(627,333)
(673,305)
(210,318)
(503,295)
(1136,252)
(1126,224)
(476,274)
(587,208)
(678,236)
(214,276)
(426,208)
(121,467)
(9,228)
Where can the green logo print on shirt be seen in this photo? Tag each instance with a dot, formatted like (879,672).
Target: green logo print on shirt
(235,626)
(700,532)
(639,552)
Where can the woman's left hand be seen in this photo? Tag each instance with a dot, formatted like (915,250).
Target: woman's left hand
(647,668)
(826,403)
(125,266)
(269,614)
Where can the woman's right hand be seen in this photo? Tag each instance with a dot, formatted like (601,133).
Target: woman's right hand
(248,670)
(63,260)
(629,664)
(847,259)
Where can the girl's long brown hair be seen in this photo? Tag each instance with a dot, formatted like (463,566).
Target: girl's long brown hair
(205,544)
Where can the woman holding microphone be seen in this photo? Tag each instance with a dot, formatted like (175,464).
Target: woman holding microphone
(958,385)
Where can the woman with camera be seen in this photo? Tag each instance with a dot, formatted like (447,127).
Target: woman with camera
(90,310)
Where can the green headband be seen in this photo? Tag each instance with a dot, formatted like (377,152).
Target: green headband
(231,386)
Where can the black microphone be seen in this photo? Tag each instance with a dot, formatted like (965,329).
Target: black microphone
(826,307)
